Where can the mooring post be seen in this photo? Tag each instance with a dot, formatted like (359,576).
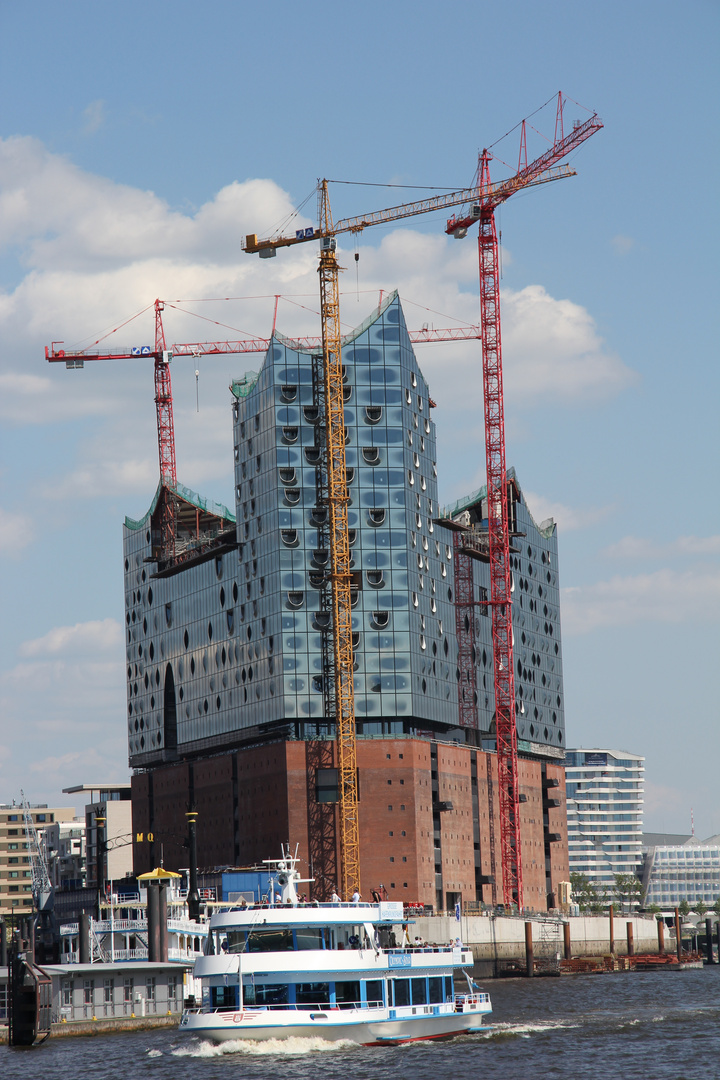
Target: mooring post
(661,936)
(708,941)
(3,944)
(630,940)
(566,937)
(678,934)
(529,959)
(612,929)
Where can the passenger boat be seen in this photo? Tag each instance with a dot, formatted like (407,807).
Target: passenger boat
(286,969)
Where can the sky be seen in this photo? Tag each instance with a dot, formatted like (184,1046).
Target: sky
(140,143)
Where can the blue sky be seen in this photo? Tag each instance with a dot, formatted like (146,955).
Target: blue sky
(138,144)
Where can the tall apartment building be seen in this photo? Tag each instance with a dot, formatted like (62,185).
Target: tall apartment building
(227,641)
(15,864)
(605,795)
(108,831)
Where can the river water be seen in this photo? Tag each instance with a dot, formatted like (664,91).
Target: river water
(660,1025)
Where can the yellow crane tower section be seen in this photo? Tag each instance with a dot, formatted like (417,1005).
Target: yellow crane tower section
(337,481)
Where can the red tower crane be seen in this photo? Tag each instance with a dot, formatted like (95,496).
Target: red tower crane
(162,355)
(483,211)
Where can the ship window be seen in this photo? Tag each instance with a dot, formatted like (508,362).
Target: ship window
(401,992)
(308,995)
(374,993)
(309,937)
(436,990)
(419,992)
(347,993)
(270,941)
(271,994)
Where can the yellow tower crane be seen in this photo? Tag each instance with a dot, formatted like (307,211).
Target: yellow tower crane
(341,629)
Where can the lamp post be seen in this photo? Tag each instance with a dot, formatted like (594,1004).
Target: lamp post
(100,821)
(193,897)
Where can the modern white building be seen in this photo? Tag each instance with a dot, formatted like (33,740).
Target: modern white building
(605,795)
(677,872)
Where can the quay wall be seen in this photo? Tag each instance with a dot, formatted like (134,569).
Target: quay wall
(499,940)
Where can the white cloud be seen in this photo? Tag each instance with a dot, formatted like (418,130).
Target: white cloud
(16,532)
(552,350)
(634,547)
(71,641)
(568,518)
(666,596)
(623,244)
(94,117)
(63,707)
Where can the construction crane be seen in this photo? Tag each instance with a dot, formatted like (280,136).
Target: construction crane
(482,210)
(43,893)
(162,355)
(483,197)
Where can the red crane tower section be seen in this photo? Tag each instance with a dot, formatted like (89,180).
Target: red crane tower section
(497,496)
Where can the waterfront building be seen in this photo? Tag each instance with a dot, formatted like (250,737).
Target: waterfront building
(15,862)
(63,847)
(108,831)
(675,872)
(605,796)
(227,639)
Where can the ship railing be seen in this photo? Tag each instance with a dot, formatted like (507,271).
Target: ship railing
(469,1002)
(321,1006)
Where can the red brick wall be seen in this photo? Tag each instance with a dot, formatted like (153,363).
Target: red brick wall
(396,845)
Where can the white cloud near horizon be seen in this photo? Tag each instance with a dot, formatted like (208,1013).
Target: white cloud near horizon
(16,532)
(567,518)
(93,116)
(63,709)
(634,547)
(665,596)
(93,637)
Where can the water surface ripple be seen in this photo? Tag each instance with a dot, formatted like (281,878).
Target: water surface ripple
(660,1025)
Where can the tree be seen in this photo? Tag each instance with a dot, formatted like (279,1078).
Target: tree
(716,906)
(588,897)
(653,909)
(628,889)
(700,908)
(684,908)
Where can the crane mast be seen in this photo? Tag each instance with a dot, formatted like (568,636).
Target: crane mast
(499,549)
(339,552)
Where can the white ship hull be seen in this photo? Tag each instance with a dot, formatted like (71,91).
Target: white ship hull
(334,1025)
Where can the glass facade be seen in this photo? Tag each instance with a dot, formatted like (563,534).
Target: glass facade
(231,641)
(689,871)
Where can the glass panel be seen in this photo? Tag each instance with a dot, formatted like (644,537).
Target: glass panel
(270,941)
(309,938)
(401,989)
(347,993)
(309,994)
(271,994)
(374,992)
(419,992)
(436,990)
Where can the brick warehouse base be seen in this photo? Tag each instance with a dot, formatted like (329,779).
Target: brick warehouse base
(425,817)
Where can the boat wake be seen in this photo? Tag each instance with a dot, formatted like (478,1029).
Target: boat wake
(526,1031)
(292,1047)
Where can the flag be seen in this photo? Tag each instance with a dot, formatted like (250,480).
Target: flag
(457,910)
